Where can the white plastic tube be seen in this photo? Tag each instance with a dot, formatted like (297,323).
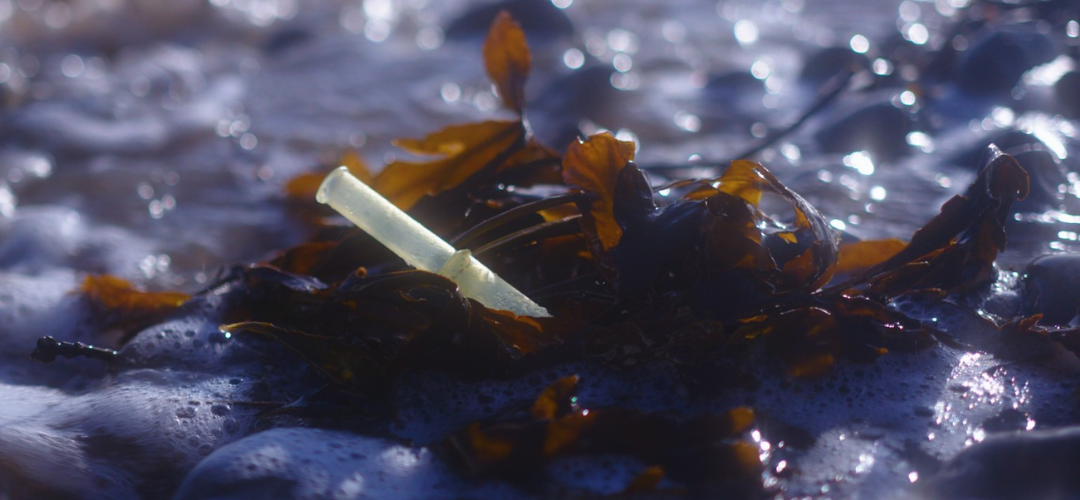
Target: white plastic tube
(418,246)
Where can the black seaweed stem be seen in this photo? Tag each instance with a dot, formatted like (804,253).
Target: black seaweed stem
(48,348)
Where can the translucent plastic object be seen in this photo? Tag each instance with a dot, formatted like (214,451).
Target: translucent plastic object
(418,246)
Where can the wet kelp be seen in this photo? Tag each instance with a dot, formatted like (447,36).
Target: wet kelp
(705,449)
(117,310)
(711,277)
(117,304)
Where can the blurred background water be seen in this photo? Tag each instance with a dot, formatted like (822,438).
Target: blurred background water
(151,139)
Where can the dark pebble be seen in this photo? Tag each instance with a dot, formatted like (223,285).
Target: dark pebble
(286,39)
(829,62)
(1013,466)
(1067,91)
(999,56)
(539,19)
(1050,287)
(555,113)
(879,128)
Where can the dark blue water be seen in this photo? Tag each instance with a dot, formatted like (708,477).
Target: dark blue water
(152,140)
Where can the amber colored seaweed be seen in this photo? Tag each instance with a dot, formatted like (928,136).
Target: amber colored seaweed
(859,256)
(731,272)
(507,60)
(594,166)
(365,330)
(465,150)
(738,259)
(471,150)
(117,305)
(111,292)
(956,250)
(304,186)
(462,152)
(708,449)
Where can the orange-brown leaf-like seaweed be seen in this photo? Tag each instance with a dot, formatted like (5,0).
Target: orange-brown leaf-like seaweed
(304,186)
(119,294)
(862,255)
(593,166)
(707,449)
(956,250)
(507,59)
(463,151)
(122,306)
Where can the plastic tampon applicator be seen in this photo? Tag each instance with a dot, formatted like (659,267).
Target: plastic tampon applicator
(418,246)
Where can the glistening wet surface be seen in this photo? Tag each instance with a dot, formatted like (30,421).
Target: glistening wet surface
(153,141)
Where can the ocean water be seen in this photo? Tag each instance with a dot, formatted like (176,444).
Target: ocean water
(151,140)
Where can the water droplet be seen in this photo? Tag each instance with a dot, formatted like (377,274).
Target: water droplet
(429,38)
(746,32)
(687,121)
(157,210)
(450,92)
(72,66)
(860,44)
(248,141)
(917,33)
(573,58)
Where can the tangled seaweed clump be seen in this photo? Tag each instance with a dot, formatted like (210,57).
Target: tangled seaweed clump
(711,278)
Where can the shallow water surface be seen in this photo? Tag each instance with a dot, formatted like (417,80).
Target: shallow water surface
(153,140)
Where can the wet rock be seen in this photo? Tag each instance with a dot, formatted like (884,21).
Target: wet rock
(1067,92)
(555,113)
(1047,178)
(1050,287)
(829,62)
(1037,159)
(1035,465)
(879,128)
(731,100)
(312,463)
(732,83)
(999,56)
(133,439)
(1047,174)
(539,19)
(1010,419)
(281,41)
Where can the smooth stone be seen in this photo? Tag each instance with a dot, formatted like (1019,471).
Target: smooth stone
(1051,287)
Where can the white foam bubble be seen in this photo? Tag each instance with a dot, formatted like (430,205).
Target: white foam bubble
(317,464)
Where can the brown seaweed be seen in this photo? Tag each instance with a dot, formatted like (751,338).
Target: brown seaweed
(632,278)
(117,305)
(708,449)
(465,151)
(304,186)
(956,250)
(733,271)
(364,331)
(507,60)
